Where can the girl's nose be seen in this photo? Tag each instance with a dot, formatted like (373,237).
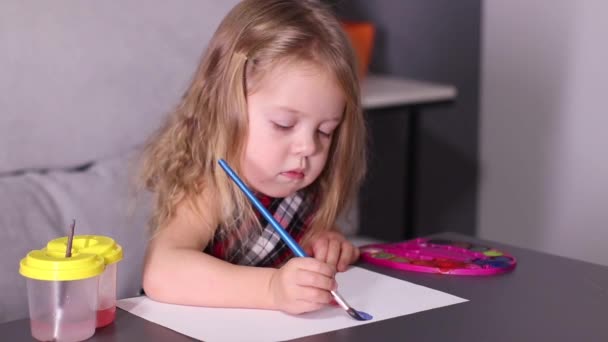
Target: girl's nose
(306,145)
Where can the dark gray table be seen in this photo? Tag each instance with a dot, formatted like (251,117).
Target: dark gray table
(546,298)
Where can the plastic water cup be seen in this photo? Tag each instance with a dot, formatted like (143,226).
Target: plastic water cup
(62,294)
(112,253)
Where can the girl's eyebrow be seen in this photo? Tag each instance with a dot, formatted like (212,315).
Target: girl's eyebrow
(288,110)
(297,112)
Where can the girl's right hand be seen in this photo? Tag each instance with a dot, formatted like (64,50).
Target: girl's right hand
(302,285)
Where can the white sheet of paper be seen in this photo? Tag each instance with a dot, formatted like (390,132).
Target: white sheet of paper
(381,296)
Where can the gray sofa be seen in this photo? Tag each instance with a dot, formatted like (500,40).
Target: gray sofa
(82,84)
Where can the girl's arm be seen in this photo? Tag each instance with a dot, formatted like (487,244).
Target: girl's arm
(177,271)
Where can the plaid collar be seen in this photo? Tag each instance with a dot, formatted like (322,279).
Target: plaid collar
(261,245)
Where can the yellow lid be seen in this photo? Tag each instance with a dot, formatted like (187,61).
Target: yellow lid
(103,246)
(51,265)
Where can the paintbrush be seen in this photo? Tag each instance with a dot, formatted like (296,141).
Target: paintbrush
(61,285)
(289,241)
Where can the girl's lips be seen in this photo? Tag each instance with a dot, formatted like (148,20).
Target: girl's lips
(294,174)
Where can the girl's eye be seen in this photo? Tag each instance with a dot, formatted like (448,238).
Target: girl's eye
(325,134)
(281,127)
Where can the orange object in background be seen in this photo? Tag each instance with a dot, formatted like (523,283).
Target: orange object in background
(361,35)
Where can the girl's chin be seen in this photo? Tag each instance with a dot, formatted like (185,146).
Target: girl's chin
(278,191)
(279,194)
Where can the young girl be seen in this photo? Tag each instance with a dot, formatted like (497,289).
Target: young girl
(277,96)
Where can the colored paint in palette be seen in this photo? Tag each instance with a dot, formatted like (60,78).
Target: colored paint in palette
(439,256)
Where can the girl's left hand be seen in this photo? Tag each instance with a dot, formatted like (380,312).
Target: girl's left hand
(334,249)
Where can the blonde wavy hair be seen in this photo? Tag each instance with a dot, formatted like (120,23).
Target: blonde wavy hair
(210,122)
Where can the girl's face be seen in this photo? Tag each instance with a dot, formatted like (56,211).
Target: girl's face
(293,113)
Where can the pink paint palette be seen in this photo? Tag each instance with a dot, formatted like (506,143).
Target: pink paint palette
(439,256)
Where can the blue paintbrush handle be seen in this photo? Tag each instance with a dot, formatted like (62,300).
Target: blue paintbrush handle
(291,243)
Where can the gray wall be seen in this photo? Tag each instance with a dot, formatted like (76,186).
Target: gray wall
(436,41)
(544,182)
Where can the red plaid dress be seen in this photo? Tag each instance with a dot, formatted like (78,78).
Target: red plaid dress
(264,247)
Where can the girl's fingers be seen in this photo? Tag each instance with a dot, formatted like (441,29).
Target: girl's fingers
(346,256)
(356,253)
(333,252)
(350,254)
(313,295)
(320,249)
(314,265)
(315,280)
(306,306)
